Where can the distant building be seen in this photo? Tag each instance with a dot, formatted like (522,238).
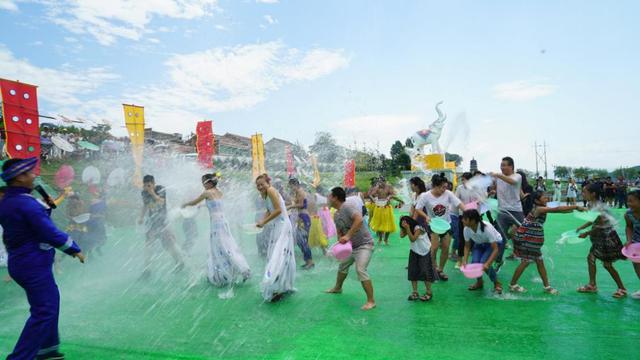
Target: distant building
(154,137)
(275,148)
(473,166)
(232,145)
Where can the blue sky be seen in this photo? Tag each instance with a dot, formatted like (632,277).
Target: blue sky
(509,72)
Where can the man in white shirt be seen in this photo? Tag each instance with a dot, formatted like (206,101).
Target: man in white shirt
(510,214)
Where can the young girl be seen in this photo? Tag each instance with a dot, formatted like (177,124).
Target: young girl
(280,272)
(420,265)
(632,218)
(226,264)
(572,192)
(438,201)
(557,190)
(485,239)
(529,238)
(605,244)
(419,189)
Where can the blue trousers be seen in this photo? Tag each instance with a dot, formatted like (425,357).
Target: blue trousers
(40,333)
(302,236)
(480,254)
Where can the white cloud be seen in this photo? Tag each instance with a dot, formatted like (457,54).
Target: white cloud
(129,19)
(267,1)
(221,27)
(57,86)
(9,5)
(230,78)
(270,19)
(522,90)
(376,132)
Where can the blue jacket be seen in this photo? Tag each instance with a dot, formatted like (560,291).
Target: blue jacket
(29,234)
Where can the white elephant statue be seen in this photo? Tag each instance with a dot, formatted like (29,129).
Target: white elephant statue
(430,136)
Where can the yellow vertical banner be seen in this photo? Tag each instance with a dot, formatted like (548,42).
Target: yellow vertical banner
(257,155)
(134,120)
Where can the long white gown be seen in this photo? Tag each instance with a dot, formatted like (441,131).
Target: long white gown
(226,263)
(280,272)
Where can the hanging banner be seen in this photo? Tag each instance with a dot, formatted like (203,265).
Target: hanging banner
(291,169)
(205,143)
(257,154)
(134,120)
(350,174)
(21,120)
(316,172)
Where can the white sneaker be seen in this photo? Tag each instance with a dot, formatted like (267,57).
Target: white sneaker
(517,288)
(636,295)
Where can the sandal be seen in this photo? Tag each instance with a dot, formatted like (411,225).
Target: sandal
(517,288)
(413,297)
(476,286)
(497,288)
(590,289)
(443,276)
(550,290)
(426,297)
(620,293)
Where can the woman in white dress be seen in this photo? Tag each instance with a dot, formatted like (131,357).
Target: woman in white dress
(226,263)
(280,271)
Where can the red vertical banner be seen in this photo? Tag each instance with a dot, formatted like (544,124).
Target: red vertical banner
(350,174)
(21,120)
(291,169)
(205,143)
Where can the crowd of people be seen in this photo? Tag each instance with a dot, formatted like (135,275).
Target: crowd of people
(307,217)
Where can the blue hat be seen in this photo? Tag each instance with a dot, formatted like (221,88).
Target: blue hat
(19,167)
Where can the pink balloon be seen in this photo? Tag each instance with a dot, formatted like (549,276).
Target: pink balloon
(64,177)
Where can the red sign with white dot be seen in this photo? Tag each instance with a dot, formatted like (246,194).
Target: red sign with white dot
(21,120)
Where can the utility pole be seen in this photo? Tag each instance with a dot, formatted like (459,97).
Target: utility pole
(541,158)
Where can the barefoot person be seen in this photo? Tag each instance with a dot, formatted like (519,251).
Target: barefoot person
(30,238)
(154,217)
(280,272)
(227,265)
(350,227)
(382,220)
(301,222)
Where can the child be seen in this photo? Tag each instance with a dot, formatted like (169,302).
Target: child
(96,229)
(557,190)
(632,218)
(438,201)
(485,239)
(529,238)
(420,265)
(605,244)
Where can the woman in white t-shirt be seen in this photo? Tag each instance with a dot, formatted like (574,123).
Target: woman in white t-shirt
(420,267)
(486,240)
(438,202)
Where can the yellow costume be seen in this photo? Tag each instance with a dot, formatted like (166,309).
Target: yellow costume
(370,208)
(382,220)
(317,238)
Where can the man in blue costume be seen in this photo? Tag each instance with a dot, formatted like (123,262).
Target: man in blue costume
(30,238)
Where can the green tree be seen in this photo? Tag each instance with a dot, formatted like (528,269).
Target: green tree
(408,143)
(326,148)
(453,157)
(601,173)
(626,172)
(562,172)
(582,172)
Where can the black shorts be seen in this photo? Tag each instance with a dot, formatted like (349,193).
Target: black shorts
(420,268)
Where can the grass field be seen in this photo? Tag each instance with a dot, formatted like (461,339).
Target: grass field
(107,313)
